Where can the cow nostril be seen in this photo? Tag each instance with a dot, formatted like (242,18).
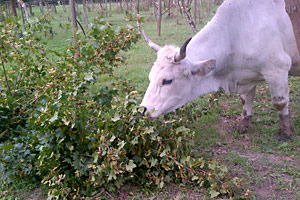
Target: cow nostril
(145,110)
(142,110)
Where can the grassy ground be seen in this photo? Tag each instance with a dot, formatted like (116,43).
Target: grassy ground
(271,169)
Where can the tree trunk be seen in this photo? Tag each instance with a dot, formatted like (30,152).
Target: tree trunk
(105,8)
(54,8)
(85,13)
(293,9)
(47,6)
(1,14)
(200,13)
(176,11)
(109,7)
(62,2)
(7,4)
(127,5)
(74,24)
(180,10)
(138,7)
(13,7)
(121,6)
(22,16)
(159,18)
(169,9)
(30,10)
(26,10)
(89,6)
(76,6)
(208,7)
(195,12)
(154,9)
(134,6)
(41,7)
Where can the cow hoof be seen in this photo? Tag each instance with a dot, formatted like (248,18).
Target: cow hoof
(283,135)
(285,128)
(244,124)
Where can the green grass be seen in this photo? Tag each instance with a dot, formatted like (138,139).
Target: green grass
(271,169)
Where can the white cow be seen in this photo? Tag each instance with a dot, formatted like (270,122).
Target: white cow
(247,41)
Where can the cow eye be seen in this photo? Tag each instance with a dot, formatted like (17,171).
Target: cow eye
(167,82)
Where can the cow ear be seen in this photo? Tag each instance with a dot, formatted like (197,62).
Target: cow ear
(201,68)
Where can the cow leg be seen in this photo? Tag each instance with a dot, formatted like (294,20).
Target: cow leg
(247,101)
(295,69)
(277,79)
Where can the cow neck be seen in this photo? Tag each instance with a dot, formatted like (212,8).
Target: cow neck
(213,41)
(206,85)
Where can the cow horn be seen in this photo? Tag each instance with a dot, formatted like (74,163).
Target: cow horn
(182,52)
(154,46)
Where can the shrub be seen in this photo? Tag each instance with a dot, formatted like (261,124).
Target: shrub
(76,142)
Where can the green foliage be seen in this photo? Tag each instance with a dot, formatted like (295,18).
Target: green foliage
(53,130)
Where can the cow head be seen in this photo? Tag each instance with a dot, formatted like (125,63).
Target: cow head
(173,78)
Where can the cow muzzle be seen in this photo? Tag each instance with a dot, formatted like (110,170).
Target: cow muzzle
(142,110)
(148,112)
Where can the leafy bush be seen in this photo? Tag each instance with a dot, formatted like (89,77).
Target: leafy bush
(53,130)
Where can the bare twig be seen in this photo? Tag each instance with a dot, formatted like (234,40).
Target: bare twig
(5,75)
(98,195)
(34,100)
(15,85)
(200,171)
(109,195)
(86,155)
(3,133)
(188,16)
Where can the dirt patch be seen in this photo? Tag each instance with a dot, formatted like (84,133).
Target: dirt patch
(255,157)
(268,175)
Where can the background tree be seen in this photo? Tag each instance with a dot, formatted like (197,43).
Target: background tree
(293,9)
(22,16)
(62,2)
(1,14)
(41,6)
(47,6)
(23,5)
(85,13)
(74,24)
(13,7)
(159,15)
(195,12)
